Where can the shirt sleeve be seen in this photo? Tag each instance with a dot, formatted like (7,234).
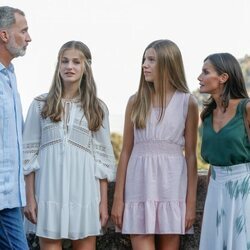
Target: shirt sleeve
(105,167)
(31,138)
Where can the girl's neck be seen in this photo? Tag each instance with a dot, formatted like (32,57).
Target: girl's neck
(156,100)
(70,93)
(168,87)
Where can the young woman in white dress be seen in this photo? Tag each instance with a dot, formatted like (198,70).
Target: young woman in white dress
(68,156)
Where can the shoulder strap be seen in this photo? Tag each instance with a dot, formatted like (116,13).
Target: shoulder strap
(245,118)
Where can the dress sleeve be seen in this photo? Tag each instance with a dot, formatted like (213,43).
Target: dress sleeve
(105,167)
(31,138)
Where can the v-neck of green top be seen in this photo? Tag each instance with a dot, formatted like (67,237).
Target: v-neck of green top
(229,146)
(228,123)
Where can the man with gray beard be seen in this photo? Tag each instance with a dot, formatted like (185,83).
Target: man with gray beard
(14,39)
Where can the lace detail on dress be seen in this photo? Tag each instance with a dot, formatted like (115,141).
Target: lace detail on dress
(30,151)
(105,162)
(30,148)
(50,144)
(29,161)
(82,129)
(51,126)
(50,135)
(103,154)
(80,137)
(43,134)
(80,146)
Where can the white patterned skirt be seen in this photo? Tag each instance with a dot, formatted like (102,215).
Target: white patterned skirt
(226,220)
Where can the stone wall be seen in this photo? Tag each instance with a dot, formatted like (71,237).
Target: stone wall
(116,241)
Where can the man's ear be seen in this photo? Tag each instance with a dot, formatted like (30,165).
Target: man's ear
(223,77)
(4,36)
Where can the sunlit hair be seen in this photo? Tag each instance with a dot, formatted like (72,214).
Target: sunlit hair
(234,87)
(91,105)
(7,16)
(170,70)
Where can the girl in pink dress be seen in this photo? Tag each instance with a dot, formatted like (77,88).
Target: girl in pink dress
(156,183)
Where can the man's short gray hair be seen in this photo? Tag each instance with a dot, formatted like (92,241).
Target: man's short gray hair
(7,16)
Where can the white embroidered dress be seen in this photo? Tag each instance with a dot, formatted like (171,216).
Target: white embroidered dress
(68,160)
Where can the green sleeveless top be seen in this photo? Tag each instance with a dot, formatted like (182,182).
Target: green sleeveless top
(230,145)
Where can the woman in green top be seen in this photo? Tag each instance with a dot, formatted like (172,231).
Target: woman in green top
(225,146)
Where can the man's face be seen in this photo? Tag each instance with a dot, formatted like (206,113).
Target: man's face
(18,37)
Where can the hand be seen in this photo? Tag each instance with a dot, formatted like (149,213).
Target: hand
(190,215)
(117,213)
(30,210)
(103,213)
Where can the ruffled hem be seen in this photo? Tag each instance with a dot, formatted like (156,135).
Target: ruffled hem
(154,217)
(73,221)
(31,229)
(70,236)
(102,172)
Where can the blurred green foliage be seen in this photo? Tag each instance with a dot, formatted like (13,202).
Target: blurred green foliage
(116,140)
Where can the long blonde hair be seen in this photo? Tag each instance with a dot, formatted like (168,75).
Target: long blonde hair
(90,104)
(170,70)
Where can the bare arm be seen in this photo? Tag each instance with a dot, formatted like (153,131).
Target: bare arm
(248,113)
(104,202)
(191,130)
(30,210)
(208,175)
(128,141)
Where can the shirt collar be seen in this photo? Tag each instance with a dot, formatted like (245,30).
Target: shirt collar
(10,67)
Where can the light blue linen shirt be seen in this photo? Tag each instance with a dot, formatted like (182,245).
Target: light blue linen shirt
(12,191)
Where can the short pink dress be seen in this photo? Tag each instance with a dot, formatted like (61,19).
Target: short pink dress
(156,180)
